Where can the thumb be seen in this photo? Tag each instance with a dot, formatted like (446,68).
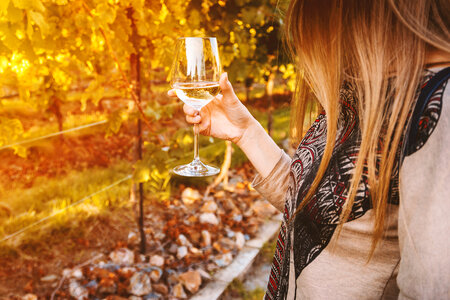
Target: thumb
(225,86)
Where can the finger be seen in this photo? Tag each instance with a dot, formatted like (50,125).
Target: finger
(189,110)
(171,93)
(205,124)
(226,87)
(204,128)
(193,120)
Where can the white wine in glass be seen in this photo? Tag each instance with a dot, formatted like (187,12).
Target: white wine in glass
(195,79)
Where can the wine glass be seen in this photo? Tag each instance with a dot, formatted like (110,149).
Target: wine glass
(195,79)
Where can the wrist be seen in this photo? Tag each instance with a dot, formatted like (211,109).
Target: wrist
(252,132)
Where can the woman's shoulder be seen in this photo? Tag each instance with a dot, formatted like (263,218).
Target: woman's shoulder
(432,113)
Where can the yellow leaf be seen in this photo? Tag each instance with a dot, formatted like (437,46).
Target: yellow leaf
(106,12)
(20,151)
(114,123)
(4,6)
(141,172)
(163,13)
(29,4)
(30,30)
(39,19)
(14,14)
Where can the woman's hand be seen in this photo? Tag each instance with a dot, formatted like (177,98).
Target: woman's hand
(225,117)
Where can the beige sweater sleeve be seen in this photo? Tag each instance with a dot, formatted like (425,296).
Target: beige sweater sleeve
(274,186)
(424,223)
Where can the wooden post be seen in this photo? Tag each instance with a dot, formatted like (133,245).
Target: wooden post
(269,93)
(135,68)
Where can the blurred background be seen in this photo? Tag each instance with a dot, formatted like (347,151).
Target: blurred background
(88,135)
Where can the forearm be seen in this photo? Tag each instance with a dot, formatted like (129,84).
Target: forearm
(260,148)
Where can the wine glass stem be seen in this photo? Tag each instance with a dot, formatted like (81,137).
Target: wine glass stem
(196,157)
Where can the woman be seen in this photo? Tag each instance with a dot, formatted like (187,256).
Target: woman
(364,61)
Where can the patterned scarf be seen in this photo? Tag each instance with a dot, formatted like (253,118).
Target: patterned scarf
(315,224)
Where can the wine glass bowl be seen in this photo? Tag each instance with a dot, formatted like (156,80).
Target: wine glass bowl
(195,78)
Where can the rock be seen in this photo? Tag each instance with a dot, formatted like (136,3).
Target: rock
(230,233)
(92,286)
(262,208)
(240,240)
(30,297)
(67,273)
(195,251)
(237,218)
(182,252)
(152,296)
(140,284)
(179,292)
(191,280)
(209,218)
(223,260)
(77,273)
(132,238)
(173,248)
(161,288)
(227,243)
(77,291)
(142,258)
(204,274)
(172,277)
(110,267)
(209,206)
(189,196)
(206,236)
(122,256)
(156,274)
(157,261)
(183,241)
(49,278)
(73,273)
(160,235)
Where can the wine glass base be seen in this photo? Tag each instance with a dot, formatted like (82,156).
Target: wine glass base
(196,169)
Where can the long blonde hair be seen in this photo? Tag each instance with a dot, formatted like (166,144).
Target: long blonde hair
(364,43)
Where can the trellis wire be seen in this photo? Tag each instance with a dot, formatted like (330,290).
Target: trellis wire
(66,208)
(53,134)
